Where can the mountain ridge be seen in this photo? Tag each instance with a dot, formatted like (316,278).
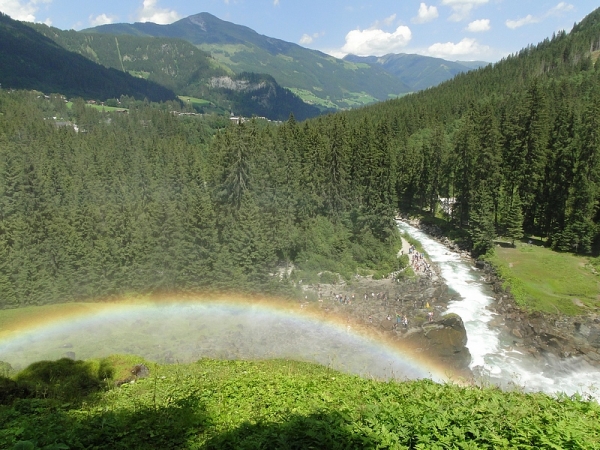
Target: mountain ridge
(418,71)
(183,68)
(30,60)
(311,73)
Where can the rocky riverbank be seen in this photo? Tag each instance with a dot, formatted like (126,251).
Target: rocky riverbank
(539,334)
(380,306)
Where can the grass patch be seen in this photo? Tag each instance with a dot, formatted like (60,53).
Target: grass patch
(359,98)
(287,404)
(543,280)
(194,101)
(310,98)
(139,74)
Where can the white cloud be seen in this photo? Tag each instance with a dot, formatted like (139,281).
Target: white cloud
(462,8)
(468,48)
(376,42)
(335,52)
(20,10)
(150,12)
(478,26)
(557,10)
(426,14)
(102,19)
(389,20)
(309,39)
(512,24)
(306,39)
(275,2)
(560,8)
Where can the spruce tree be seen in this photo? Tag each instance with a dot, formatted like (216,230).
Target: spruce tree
(481,221)
(514,220)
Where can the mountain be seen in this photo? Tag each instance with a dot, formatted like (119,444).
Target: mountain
(182,67)
(417,71)
(173,63)
(29,60)
(318,78)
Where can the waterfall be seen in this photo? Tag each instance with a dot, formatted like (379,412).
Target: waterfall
(494,357)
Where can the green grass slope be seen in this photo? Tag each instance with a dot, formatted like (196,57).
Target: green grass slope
(543,280)
(293,66)
(29,60)
(274,404)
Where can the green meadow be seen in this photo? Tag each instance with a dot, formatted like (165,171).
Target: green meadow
(545,280)
(194,101)
(274,404)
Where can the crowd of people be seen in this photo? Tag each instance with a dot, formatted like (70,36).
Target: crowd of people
(419,263)
(383,298)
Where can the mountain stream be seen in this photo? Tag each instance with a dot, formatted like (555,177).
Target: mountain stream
(495,358)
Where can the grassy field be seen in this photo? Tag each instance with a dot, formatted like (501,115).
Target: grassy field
(359,99)
(309,97)
(274,404)
(194,101)
(548,281)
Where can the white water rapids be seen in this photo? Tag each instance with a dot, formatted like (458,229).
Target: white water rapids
(492,352)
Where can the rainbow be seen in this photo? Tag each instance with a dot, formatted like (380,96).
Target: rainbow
(187,328)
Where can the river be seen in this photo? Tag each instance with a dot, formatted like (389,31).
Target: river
(495,359)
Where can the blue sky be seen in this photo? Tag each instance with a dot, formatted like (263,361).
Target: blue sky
(452,29)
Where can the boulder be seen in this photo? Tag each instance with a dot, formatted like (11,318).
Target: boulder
(516,333)
(444,340)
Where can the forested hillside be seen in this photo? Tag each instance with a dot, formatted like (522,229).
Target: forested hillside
(516,144)
(28,60)
(148,202)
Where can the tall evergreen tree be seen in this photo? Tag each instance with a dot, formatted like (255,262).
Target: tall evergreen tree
(514,220)
(481,221)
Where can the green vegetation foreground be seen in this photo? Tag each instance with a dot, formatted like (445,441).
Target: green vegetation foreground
(274,404)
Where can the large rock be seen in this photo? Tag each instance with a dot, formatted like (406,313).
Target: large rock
(443,340)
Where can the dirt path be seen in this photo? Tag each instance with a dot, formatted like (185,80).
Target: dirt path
(405,247)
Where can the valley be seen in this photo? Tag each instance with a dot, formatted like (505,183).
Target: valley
(198,253)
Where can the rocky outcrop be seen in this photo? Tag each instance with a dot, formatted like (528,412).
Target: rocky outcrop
(547,334)
(443,340)
(137,372)
(235,85)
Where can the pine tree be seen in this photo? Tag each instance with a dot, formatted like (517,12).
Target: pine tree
(481,222)
(514,220)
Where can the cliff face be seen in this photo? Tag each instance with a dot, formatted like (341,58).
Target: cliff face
(235,85)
